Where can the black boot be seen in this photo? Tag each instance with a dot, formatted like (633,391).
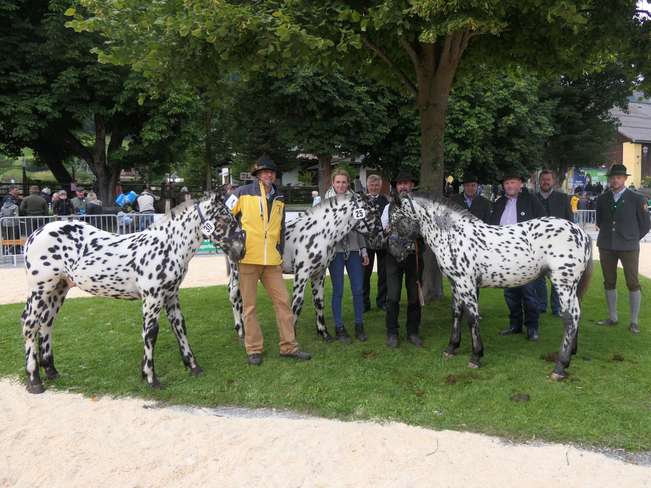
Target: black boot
(342,336)
(360,335)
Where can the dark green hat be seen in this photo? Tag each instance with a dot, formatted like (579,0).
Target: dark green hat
(404,175)
(469,178)
(617,170)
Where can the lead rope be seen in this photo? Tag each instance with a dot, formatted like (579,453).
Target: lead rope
(421,297)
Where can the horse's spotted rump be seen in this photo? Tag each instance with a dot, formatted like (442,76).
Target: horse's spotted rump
(473,254)
(149,265)
(309,247)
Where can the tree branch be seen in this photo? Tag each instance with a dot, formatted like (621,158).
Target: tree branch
(382,55)
(411,51)
(75,146)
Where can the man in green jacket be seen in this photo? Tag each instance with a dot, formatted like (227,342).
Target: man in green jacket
(623,219)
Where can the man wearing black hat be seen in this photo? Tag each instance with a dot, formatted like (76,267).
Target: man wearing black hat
(623,219)
(261,209)
(410,267)
(557,204)
(514,207)
(477,205)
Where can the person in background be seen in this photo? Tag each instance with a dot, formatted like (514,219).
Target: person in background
(351,254)
(514,207)
(46,193)
(12,195)
(373,187)
(79,201)
(469,198)
(261,209)
(10,223)
(623,219)
(34,205)
(557,204)
(62,206)
(316,199)
(145,204)
(93,205)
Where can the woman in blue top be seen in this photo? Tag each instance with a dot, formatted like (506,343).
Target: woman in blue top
(350,253)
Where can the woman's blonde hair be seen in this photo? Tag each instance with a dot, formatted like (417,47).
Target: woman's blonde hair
(340,172)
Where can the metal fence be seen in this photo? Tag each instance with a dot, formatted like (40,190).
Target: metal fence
(585,218)
(14,231)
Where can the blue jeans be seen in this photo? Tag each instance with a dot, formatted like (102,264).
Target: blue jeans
(541,291)
(524,306)
(356,276)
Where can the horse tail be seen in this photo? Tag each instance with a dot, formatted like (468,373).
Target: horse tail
(584,281)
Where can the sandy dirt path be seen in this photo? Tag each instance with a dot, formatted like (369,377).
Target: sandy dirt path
(66,440)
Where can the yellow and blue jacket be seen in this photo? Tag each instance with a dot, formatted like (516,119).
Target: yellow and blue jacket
(262,218)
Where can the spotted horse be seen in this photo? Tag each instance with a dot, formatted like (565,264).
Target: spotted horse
(148,265)
(309,246)
(474,255)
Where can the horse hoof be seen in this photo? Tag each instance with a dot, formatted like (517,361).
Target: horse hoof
(558,376)
(35,388)
(51,374)
(328,338)
(448,354)
(196,371)
(473,365)
(156,384)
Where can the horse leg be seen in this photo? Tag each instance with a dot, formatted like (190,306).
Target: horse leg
(298,295)
(570,313)
(177,322)
(235,297)
(31,325)
(151,307)
(472,309)
(455,331)
(317,297)
(45,348)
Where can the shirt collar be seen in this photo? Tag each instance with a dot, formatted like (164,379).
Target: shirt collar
(546,195)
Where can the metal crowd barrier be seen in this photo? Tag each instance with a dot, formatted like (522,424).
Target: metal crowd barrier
(14,231)
(585,218)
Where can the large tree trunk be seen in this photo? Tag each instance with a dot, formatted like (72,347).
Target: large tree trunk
(325,172)
(208,150)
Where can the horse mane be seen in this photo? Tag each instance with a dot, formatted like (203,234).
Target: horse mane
(176,211)
(444,220)
(326,202)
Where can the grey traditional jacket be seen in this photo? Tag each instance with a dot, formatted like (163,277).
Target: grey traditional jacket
(353,241)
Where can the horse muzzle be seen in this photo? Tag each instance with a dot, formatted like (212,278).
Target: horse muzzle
(234,245)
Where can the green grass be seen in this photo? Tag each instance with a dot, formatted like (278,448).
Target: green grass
(605,402)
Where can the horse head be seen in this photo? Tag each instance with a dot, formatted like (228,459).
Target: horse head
(227,232)
(367,216)
(404,227)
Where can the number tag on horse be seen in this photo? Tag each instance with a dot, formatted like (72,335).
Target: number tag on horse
(359,214)
(207,228)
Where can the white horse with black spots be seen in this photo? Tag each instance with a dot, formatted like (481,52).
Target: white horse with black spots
(474,255)
(309,246)
(148,265)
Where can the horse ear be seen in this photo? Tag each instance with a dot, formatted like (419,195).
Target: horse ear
(218,194)
(395,196)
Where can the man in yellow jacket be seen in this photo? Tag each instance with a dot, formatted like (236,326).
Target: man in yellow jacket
(261,209)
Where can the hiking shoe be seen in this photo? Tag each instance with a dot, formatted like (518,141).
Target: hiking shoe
(392,341)
(510,331)
(360,335)
(343,336)
(415,340)
(254,359)
(634,328)
(300,355)
(607,323)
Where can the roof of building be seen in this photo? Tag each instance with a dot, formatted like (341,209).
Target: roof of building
(635,121)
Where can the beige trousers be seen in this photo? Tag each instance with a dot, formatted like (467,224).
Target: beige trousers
(272,280)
